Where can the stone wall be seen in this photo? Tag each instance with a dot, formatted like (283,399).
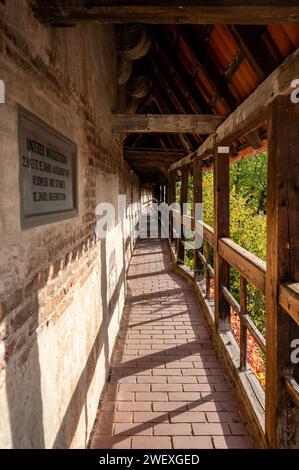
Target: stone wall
(62,291)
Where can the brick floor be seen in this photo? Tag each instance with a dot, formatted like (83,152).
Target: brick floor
(166,388)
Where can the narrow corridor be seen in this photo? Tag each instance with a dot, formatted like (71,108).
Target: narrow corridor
(166,388)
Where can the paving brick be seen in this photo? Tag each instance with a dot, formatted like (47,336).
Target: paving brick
(142,442)
(188,417)
(133,406)
(152,416)
(223,417)
(133,429)
(231,442)
(108,417)
(151,396)
(211,429)
(184,396)
(100,442)
(173,429)
(193,442)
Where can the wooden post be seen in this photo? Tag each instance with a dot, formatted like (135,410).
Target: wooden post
(282,264)
(183,200)
(221,229)
(171,199)
(197,199)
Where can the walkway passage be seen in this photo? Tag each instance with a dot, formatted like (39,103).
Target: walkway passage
(166,388)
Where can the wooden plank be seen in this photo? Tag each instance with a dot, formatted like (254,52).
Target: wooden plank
(197,199)
(167,11)
(289,299)
(183,200)
(282,263)
(251,113)
(166,123)
(248,265)
(221,229)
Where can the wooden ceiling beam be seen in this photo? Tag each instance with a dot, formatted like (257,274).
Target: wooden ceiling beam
(163,123)
(65,12)
(154,153)
(251,113)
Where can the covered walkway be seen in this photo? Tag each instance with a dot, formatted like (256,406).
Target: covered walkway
(166,388)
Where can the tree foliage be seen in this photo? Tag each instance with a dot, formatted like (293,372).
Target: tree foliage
(247,220)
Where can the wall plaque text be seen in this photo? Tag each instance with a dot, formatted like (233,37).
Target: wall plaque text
(48,173)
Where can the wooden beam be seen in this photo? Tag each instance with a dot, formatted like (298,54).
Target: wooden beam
(289,299)
(252,112)
(221,229)
(197,199)
(136,153)
(163,123)
(171,196)
(168,11)
(282,267)
(252,268)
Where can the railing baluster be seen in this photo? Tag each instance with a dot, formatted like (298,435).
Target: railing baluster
(243,325)
(208,278)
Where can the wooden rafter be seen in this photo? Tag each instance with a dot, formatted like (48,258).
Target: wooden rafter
(252,112)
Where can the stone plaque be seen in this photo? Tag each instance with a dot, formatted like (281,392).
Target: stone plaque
(48,172)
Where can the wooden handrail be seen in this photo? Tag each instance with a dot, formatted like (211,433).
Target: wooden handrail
(289,299)
(252,268)
(207,231)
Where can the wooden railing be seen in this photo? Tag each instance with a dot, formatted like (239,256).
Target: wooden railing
(252,270)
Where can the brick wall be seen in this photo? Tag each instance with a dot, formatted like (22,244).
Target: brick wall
(61,290)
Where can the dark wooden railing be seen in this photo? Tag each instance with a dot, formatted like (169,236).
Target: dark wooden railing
(252,270)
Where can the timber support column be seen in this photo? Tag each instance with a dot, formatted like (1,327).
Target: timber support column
(183,200)
(171,200)
(282,424)
(197,199)
(221,229)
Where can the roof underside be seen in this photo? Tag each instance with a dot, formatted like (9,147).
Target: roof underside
(204,69)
